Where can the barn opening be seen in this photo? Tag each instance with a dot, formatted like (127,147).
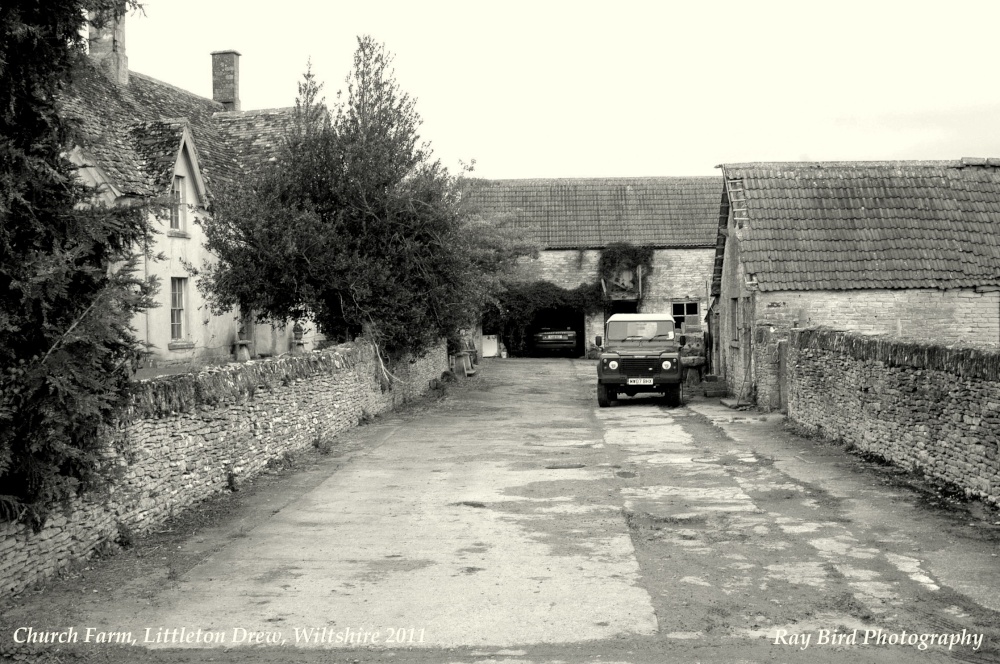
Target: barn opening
(557,331)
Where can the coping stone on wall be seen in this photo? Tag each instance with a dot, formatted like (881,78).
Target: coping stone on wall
(964,361)
(166,395)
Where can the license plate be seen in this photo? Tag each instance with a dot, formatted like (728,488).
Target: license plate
(640,381)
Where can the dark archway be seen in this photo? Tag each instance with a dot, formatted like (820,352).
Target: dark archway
(557,331)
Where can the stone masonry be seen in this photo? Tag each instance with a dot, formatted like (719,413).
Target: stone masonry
(941,316)
(924,407)
(678,275)
(194,435)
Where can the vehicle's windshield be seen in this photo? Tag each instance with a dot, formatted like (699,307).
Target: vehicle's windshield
(640,330)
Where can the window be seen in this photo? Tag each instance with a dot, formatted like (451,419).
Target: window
(178,287)
(734,318)
(177,204)
(639,330)
(686,312)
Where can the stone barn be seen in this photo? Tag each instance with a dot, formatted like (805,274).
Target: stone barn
(909,249)
(672,221)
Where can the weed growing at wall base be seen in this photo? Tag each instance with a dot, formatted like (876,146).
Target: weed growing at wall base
(322,444)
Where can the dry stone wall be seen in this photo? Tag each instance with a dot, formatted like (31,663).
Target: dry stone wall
(923,407)
(194,435)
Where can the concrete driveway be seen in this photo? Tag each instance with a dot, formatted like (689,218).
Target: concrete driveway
(518,522)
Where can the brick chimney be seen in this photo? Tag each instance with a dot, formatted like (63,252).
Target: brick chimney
(107,49)
(226,79)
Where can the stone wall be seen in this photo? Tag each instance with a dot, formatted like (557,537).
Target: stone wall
(961,316)
(567,268)
(943,316)
(733,359)
(923,407)
(677,275)
(194,435)
(753,326)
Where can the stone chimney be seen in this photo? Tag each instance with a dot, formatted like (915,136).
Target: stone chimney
(107,49)
(226,79)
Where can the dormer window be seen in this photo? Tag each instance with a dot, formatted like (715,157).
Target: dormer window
(177,204)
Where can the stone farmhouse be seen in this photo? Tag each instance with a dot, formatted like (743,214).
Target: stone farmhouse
(572,220)
(142,139)
(909,249)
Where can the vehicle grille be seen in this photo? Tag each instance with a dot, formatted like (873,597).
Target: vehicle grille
(639,367)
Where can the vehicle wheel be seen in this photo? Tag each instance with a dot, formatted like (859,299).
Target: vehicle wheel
(603,399)
(672,394)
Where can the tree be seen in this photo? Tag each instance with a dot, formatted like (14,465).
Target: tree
(355,225)
(67,285)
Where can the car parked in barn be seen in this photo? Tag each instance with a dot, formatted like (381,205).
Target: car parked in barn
(553,339)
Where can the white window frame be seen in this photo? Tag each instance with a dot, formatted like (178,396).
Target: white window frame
(178,204)
(178,317)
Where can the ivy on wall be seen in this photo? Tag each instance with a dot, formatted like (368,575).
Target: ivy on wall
(518,308)
(520,305)
(624,257)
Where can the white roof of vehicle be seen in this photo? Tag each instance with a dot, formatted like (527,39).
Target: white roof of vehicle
(641,317)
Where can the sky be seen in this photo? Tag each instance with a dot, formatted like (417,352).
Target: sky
(554,89)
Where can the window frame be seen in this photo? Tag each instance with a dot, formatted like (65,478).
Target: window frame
(734,319)
(680,319)
(178,204)
(178,319)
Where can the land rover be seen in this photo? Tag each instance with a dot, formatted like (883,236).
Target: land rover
(639,353)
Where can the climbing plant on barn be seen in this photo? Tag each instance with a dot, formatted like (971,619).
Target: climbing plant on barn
(623,258)
(518,308)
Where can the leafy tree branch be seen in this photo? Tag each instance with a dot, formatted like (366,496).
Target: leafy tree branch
(68,280)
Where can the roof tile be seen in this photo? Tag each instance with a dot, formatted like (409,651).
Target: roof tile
(595,212)
(132,132)
(850,225)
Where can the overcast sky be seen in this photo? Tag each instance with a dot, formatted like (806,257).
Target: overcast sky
(599,89)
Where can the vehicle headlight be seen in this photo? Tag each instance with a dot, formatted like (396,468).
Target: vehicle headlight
(613,364)
(666,364)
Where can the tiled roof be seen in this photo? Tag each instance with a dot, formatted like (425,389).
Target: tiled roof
(133,132)
(595,212)
(256,136)
(857,225)
(157,143)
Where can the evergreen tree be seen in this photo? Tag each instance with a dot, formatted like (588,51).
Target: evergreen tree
(67,285)
(355,225)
